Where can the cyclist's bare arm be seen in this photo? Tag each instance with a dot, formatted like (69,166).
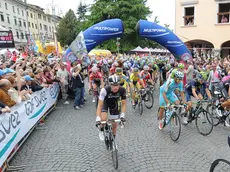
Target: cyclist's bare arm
(123,105)
(102,83)
(99,107)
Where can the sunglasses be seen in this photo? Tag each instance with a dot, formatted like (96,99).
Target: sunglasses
(119,73)
(114,85)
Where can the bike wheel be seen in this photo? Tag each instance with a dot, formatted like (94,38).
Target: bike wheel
(114,152)
(204,122)
(220,165)
(183,116)
(140,107)
(148,100)
(175,127)
(215,116)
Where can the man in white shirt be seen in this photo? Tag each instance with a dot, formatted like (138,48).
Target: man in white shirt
(63,76)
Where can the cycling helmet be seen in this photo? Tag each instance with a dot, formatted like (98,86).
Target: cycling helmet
(204,75)
(94,69)
(119,70)
(168,66)
(114,80)
(199,77)
(146,67)
(181,65)
(179,75)
(135,70)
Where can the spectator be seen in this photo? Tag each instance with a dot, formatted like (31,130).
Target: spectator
(5,98)
(4,108)
(63,77)
(189,71)
(78,84)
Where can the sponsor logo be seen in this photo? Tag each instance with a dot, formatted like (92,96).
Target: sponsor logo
(154,30)
(174,42)
(186,56)
(106,28)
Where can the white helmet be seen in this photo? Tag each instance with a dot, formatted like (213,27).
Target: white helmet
(94,69)
(146,67)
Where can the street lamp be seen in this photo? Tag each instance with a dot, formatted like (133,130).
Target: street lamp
(118,44)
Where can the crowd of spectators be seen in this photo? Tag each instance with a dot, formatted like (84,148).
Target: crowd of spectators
(20,76)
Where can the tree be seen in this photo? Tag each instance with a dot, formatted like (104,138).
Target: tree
(156,20)
(81,12)
(66,30)
(130,12)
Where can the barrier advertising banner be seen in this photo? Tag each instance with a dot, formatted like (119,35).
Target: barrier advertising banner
(16,124)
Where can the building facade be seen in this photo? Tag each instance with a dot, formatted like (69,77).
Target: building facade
(204,25)
(41,25)
(13,17)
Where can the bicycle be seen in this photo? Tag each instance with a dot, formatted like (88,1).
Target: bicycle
(149,97)
(221,164)
(199,114)
(139,100)
(110,140)
(170,117)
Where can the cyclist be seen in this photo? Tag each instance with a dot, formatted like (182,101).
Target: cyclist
(167,94)
(135,83)
(109,99)
(196,88)
(95,81)
(145,76)
(124,80)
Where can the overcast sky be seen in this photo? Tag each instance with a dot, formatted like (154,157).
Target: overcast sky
(164,9)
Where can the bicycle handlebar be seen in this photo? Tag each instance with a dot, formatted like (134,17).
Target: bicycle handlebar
(111,120)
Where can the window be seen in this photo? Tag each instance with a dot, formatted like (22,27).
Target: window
(20,23)
(44,18)
(25,35)
(49,20)
(39,16)
(18,11)
(22,35)
(6,6)
(27,13)
(40,26)
(45,27)
(22,13)
(15,22)
(189,13)
(8,19)
(13,9)
(17,34)
(224,13)
(29,24)
(2,17)
(24,23)
(50,29)
(32,25)
(36,27)
(31,15)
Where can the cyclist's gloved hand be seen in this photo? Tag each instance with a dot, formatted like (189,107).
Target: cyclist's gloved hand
(98,121)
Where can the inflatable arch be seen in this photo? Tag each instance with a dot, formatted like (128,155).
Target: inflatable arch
(165,38)
(114,28)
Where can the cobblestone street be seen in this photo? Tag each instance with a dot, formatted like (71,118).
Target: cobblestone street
(69,142)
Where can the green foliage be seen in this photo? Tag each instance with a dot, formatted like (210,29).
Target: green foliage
(130,12)
(81,12)
(66,30)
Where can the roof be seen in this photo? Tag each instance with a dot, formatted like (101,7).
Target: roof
(36,7)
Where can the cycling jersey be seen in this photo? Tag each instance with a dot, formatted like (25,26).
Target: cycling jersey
(124,81)
(145,76)
(200,89)
(111,99)
(169,88)
(134,77)
(95,76)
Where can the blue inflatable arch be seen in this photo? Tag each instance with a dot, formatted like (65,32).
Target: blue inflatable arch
(102,31)
(164,37)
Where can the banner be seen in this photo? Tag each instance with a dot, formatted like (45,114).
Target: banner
(16,124)
(6,39)
(164,37)
(103,31)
